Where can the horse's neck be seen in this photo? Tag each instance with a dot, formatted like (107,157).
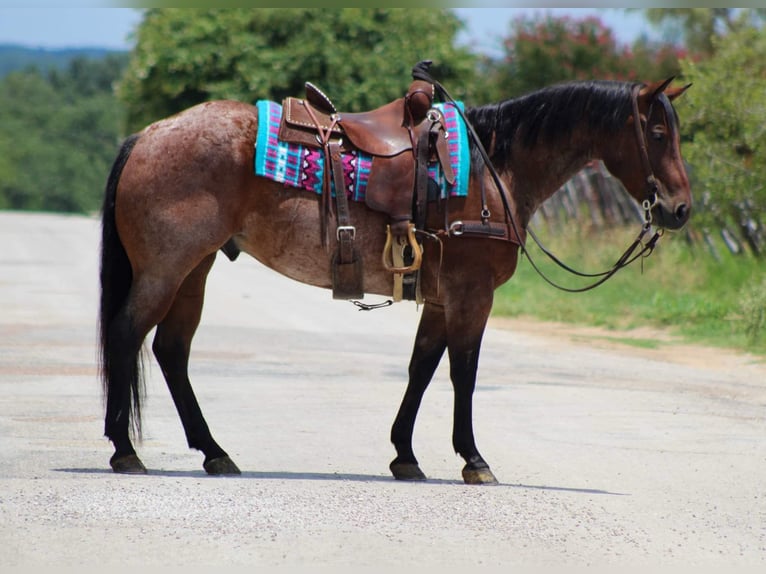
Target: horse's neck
(537,173)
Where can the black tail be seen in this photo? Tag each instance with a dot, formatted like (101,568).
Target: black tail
(116,278)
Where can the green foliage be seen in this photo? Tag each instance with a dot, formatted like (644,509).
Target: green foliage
(547,50)
(361,57)
(59,135)
(752,311)
(724,115)
(698,28)
(678,287)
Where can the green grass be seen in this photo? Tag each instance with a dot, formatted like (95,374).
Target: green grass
(681,288)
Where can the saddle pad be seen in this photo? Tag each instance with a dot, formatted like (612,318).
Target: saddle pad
(303,167)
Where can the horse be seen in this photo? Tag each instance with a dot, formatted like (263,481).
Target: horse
(184,188)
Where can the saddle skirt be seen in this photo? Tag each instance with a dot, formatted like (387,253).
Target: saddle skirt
(303,167)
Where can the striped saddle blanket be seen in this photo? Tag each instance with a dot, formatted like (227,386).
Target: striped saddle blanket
(303,167)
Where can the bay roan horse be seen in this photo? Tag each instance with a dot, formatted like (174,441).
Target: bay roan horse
(184,187)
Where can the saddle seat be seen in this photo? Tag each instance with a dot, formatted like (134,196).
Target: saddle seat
(383,132)
(379,132)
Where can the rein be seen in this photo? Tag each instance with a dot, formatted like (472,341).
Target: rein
(420,71)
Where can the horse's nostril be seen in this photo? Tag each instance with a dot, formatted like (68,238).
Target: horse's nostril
(681,212)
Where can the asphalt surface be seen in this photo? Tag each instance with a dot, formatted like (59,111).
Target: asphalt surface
(606,454)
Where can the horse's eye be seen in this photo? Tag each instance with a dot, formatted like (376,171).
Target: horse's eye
(658,133)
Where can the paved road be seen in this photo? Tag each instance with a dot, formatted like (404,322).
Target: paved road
(606,454)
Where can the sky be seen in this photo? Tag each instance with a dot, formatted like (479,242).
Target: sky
(111,27)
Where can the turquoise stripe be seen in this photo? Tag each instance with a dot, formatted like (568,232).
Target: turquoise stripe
(262,140)
(463,163)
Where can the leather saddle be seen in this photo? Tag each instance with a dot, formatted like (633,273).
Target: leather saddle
(383,133)
(402,137)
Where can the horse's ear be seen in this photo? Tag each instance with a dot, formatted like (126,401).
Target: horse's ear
(673,93)
(655,89)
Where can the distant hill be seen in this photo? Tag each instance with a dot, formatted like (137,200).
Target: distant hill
(14,57)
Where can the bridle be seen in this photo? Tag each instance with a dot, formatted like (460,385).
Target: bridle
(642,139)
(648,203)
(630,254)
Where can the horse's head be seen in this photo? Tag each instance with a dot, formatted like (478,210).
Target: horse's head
(647,155)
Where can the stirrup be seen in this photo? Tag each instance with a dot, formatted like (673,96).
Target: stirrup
(417,251)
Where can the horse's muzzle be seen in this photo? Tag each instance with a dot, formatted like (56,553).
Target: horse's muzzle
(671,217)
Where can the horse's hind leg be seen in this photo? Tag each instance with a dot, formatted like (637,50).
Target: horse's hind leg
(430,343)
(147,301)
(123,374)
(172,343)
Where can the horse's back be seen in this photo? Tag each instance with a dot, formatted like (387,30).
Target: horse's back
(218,133)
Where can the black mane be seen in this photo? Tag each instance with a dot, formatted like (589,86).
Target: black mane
(550,113)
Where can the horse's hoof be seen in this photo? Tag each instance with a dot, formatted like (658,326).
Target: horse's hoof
(406,471)
(221,466)
(478,476)
(128,464)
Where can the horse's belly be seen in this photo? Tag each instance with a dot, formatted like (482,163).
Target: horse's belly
(283,231)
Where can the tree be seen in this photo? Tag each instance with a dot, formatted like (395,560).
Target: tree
(59,134)
(698,28)
(547,50)
(362,58)
(724,120)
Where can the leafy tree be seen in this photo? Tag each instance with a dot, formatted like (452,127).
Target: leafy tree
(547,50)
(698,28)
(58,137)
(724,116)
(361,57)
(86,77)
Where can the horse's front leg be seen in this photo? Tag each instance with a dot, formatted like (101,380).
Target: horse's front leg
(430,342)
(466,322)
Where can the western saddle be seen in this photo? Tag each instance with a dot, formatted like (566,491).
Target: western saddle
(402,137)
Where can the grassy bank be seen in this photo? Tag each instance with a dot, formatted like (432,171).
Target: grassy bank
(680,287)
